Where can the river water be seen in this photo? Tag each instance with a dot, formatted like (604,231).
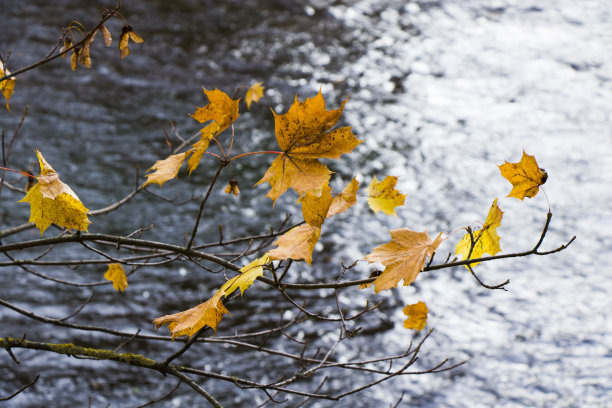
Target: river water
(441,92)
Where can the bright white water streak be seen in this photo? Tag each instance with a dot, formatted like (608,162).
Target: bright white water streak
(483,81)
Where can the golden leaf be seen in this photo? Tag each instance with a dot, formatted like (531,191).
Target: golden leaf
(417,316)
(382,195)
(525,176)
(253,94)
(300,174)
(188,322)
(220,108)
(206,135)
(248,274)
(303,134)
(403,257)
(116,274)
(297,244)
(167,169)
(486,239)
(8,85)
(53,202)
(345,200)
(315,207)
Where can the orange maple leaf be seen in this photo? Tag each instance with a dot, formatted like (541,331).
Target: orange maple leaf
(304,135)
(188,322)
(297,244)
(315,206)
(417,316)
(525,176)
(220,108)
(403,257)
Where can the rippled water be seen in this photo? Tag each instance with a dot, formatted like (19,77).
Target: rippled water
(441,92)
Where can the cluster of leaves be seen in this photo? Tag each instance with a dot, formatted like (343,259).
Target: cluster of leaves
(305,134)
(77,40)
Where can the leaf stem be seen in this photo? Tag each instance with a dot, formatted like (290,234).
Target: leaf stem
(17,171)
(250,153)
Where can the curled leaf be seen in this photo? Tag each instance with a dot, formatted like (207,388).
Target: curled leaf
(417,316)
(116,274)
(167,169)
(253,94)
(206,135)
(486,240)
(525,176)
(190,321)
(248,274)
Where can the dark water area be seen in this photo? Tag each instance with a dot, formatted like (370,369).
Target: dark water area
(441,92)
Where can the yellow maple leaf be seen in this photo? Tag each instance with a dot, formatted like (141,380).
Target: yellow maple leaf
(53,202)
(486,239)
(8,85)
(253,94)
(417,316)
(304,135)
(382,195)
(206,135)
(403,257)
(116,274)
(220,108)
(127,34)
(167,169)
(345,200)
(297,244)
(525,176)
(316,206)
(188,322)
(248,274)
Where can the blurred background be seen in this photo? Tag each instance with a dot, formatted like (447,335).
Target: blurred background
(441,91)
